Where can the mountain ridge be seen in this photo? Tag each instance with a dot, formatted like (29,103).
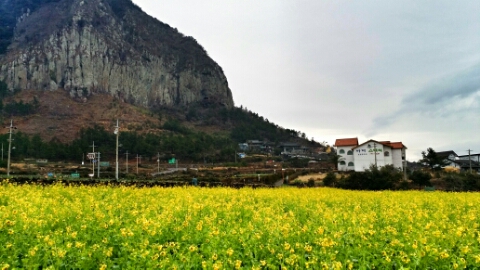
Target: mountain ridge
(113,47)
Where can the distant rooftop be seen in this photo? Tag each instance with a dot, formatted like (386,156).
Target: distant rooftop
(346,142)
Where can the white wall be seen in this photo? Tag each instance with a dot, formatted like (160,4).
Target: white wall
(346,158)
(397,160)
(365,156)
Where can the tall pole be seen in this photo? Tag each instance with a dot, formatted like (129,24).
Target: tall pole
(158,162)
(138,158)
(126,162)
(98,165)
(10,128)
(375,153)
(117,131)
(469,160)
(93,163)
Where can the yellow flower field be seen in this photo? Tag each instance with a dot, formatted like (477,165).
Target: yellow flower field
(61,227)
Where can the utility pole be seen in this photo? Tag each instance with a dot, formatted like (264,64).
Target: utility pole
(138,158)
(126,162)
(116,132)
(98,165)
(10,128)
(375,153)
(158,162)
(469,160)
(93,163)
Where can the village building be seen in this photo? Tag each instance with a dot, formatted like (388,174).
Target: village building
(464,162)
(359,157)
(473,157)
(449,158)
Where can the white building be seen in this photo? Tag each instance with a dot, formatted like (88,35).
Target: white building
(449,158)
(359,157)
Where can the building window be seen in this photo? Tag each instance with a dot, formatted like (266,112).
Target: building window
(350,164)
(350,152)
(341,162)
(386,153)
(341,151)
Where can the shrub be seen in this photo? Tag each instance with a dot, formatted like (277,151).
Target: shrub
(330,179)
(421,178)
(375,178)
(311,182)
(462,182)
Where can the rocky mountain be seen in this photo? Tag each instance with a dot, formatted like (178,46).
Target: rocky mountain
(88,47)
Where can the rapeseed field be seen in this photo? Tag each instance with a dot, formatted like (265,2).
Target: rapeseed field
(62,227)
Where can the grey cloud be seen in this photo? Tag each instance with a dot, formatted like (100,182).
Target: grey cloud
(434,98)
(460,85)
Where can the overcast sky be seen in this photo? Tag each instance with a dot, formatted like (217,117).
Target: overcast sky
(386,70)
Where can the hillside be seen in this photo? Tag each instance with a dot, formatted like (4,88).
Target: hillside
(105,46)
(70,68)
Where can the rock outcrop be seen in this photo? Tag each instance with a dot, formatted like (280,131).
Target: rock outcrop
(110,46)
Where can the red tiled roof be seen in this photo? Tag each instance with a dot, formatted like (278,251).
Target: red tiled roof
(394,145)
(346,142)
(397,145)
(383,143)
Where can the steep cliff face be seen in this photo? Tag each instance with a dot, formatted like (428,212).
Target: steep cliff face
(110,46)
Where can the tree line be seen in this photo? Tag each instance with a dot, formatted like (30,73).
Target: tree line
(194,146)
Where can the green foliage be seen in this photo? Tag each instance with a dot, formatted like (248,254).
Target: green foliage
(20,109)
(330,179)
(462,181)
(375,178)
(298,162)
(3,90)
(431,158)
(421,178)
(250,126)
(311,182)
(192,146)
(335,159)
(175,126)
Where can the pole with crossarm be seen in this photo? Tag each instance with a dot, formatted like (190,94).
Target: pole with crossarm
(117,131)
(10,130)
(93,163)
